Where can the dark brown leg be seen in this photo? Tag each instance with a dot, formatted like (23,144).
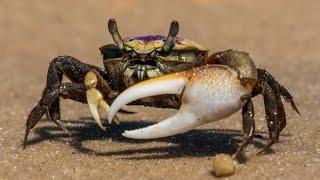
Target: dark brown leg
(75,70)
(266,76)
(279,91)
(281,113)
(74,91)
(273,121)
(248,126)
(54,110)
(288,98)
(275,114)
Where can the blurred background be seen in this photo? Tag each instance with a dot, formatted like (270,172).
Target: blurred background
(281,36)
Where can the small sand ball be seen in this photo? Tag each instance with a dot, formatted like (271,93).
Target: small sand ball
(223,165)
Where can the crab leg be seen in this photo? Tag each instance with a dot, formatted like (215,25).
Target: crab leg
(207,94)
(248,126)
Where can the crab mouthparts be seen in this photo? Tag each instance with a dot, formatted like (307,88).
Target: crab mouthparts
(138,70)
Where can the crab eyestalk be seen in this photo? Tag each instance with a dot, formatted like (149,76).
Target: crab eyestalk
(169,43)
(95,98)
(113,29)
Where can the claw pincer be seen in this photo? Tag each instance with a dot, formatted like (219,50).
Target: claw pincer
(95,98)
(208,93)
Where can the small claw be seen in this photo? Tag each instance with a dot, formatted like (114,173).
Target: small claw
(95,98)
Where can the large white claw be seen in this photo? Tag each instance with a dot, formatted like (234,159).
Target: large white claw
(179,123)
(209,93)
(182,121)
(168,84)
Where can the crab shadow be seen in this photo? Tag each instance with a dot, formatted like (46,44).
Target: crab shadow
(194,143)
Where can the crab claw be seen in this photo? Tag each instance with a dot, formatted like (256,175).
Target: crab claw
(169,84)
(95,98)
(207,94)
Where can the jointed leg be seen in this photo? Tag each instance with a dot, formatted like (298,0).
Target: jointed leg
(248,126)
(275,114)
(74,91)
(279,91)
(272,117)
(54,110)
(266,76)
(75,70)
(288,98)
(281,114)
(275,87)
(54,79)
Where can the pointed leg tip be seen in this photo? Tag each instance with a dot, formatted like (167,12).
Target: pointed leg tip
(294,107)
(24,144)
(237,154)
(60,124)
(266,148)
(261,152)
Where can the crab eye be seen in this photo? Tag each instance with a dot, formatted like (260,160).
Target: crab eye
(130,53)
(188,56)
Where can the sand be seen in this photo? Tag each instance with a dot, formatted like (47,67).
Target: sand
(281,36)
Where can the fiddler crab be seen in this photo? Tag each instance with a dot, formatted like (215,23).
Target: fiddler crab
(165,72)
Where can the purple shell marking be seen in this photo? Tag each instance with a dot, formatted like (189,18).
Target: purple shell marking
(149,38)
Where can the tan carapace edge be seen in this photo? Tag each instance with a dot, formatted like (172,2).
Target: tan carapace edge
(144,48)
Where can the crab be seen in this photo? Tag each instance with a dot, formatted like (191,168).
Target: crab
(165,72)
